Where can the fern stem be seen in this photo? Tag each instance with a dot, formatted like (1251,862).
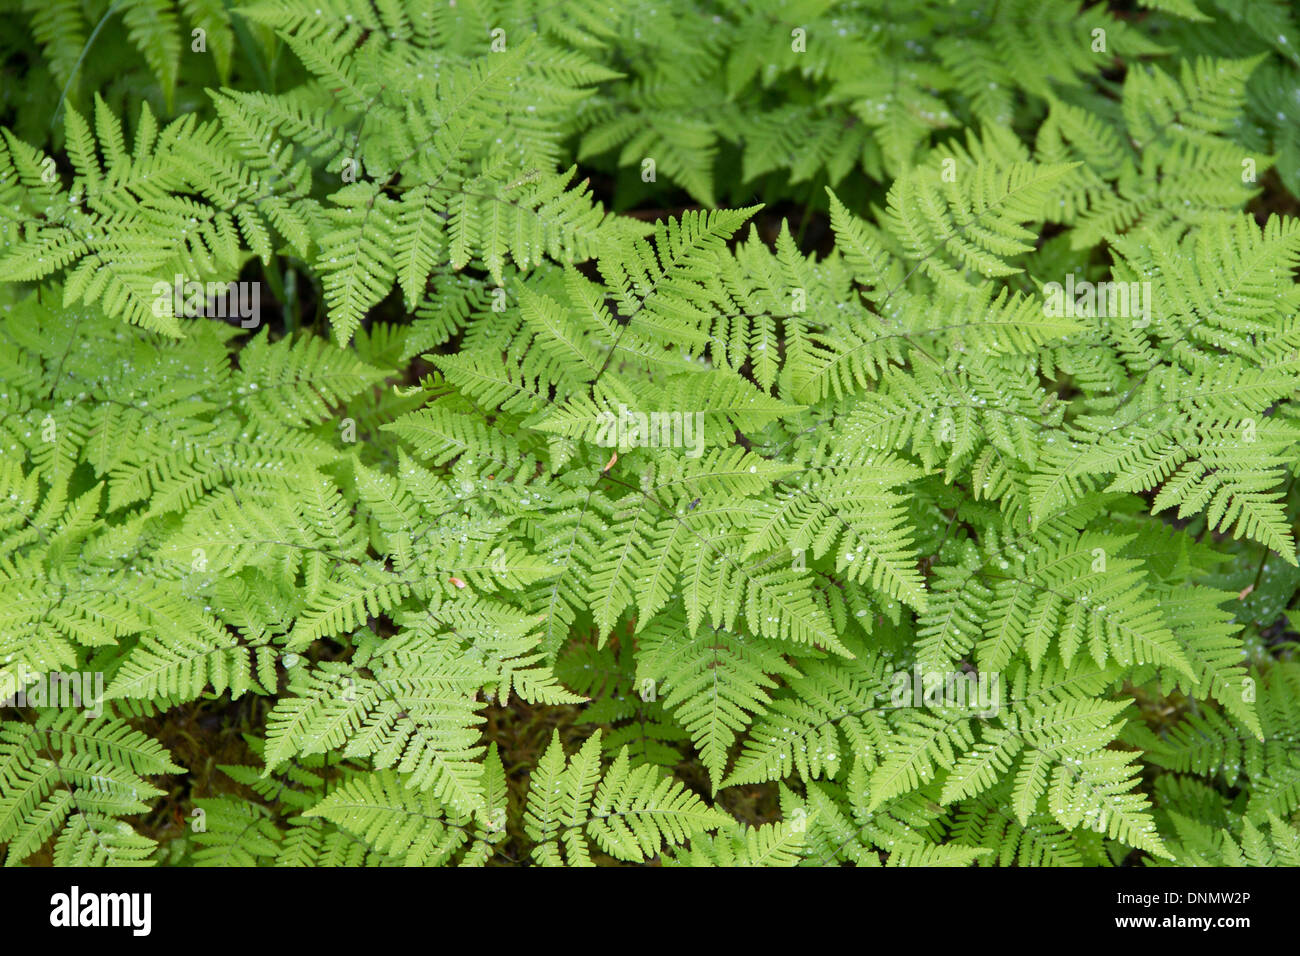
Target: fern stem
(76,68)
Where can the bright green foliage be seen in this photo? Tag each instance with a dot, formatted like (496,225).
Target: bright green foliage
(630,813)
(74,776)
(948,521)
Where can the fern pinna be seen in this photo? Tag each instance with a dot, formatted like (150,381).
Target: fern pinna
(948,519)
